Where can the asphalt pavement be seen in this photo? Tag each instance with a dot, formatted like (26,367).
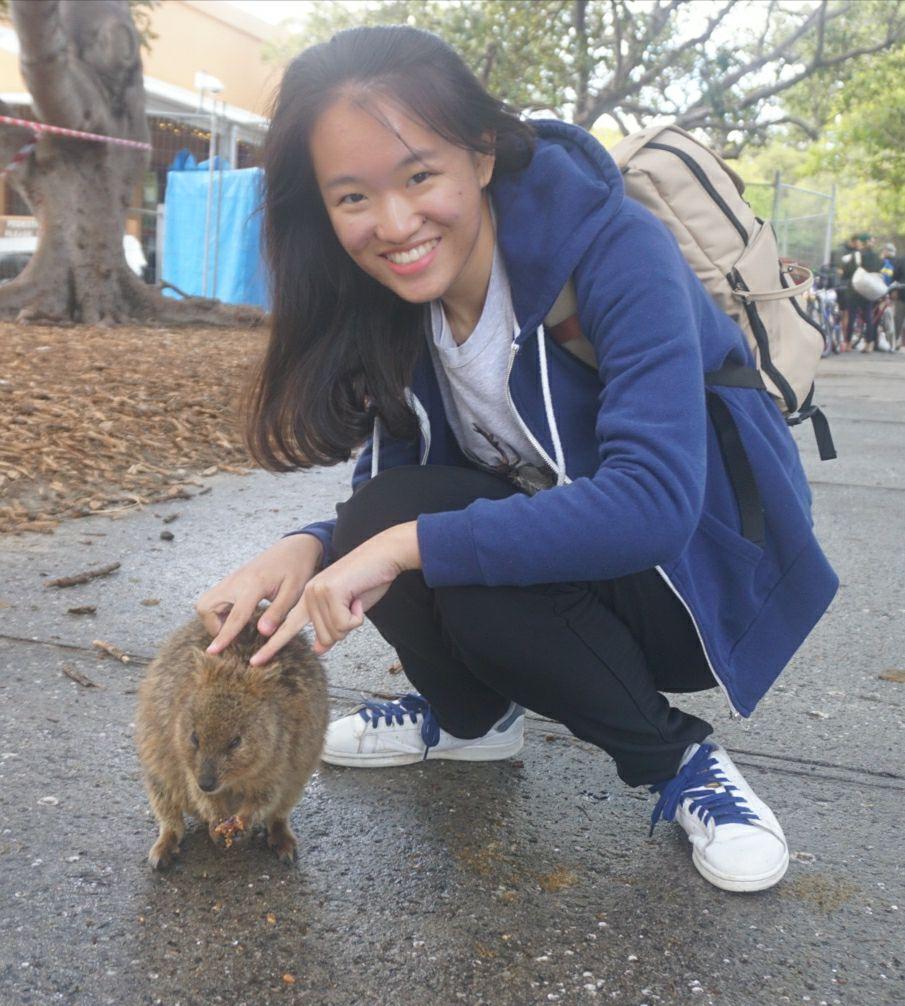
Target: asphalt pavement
(509,884)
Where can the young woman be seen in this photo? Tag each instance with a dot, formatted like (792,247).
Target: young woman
(528,529)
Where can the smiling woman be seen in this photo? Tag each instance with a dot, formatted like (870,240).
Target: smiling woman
(528,528)
(424,233)
(369,157)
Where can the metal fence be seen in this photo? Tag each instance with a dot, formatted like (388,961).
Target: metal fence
(802,218)
(207,136)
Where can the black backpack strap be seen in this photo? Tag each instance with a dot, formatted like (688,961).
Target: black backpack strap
(733,375)
(825,446)
(738,468)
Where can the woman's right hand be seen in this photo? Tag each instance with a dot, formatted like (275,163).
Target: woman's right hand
(278,574)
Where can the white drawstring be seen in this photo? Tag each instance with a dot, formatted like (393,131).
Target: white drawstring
(548,407)
(375,447)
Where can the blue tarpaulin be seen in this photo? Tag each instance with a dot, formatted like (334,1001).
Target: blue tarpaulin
(235,267)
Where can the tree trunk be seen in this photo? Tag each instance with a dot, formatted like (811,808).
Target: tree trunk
(81,62)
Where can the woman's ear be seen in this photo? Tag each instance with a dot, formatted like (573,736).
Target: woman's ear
(484,162)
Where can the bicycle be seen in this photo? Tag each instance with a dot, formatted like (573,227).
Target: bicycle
(884,320)
(822,306)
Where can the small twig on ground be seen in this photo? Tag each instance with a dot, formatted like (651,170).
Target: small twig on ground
(86,577)
(78,677)
(113,651)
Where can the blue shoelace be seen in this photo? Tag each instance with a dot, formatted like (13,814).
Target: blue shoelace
(411,705)
(695,782)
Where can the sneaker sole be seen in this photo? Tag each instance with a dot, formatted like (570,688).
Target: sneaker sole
(384,760)
(727,883)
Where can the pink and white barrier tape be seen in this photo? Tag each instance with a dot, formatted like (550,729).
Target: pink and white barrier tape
(76,134)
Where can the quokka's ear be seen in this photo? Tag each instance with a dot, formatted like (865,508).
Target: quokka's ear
(200,659)
(276,674)
(271,671)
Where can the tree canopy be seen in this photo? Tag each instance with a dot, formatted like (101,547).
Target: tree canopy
(725,67)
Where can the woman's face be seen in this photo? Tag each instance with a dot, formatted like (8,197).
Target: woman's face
(411,214)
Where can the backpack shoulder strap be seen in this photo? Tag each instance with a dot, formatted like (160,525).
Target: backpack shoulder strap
(563,325)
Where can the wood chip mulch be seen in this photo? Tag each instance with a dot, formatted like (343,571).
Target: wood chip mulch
(111,420)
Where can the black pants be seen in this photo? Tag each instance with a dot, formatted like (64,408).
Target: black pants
(861,306)
(591,655)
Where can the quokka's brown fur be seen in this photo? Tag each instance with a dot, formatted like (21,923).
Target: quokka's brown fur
(193,705)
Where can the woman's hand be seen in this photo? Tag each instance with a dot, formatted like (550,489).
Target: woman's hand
(335,600)
(278,574)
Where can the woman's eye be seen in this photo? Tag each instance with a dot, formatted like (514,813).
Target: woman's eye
(421,176)
(351,199)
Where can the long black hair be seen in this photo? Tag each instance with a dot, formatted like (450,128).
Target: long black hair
(342,346)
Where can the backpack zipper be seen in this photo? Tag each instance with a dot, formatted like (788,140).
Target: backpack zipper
(763,343)
(706,184)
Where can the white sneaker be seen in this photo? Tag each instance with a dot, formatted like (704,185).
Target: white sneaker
(380,734)
(738,843)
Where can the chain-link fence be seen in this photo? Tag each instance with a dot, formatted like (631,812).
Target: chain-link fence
(801,218)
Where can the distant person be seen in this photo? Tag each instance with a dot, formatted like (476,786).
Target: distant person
(528,531)
(865,257)
(898,299)
(888,262)
(848,263)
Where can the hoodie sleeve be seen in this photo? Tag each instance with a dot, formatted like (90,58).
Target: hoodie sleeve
(640,305)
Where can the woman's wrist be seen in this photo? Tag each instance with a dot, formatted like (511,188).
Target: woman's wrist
(404,539)
(309,544)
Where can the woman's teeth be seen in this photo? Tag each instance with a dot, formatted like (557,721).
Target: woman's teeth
(405,258)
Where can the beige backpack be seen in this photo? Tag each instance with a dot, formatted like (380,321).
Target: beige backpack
(699,198)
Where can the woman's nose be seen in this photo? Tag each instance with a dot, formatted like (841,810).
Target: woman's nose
(398,220)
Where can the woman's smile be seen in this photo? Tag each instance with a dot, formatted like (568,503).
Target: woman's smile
(412,260)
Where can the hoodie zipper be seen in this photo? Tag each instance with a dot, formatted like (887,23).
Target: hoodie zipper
(733,712)
(514,348)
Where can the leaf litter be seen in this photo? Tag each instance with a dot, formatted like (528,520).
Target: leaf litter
(112,420)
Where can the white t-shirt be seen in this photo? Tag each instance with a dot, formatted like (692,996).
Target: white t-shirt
(472,381)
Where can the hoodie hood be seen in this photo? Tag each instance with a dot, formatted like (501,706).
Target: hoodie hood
(549,213)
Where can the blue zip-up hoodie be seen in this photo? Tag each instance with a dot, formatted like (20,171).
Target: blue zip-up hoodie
(641,480)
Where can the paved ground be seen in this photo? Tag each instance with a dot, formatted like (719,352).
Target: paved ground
(529,881)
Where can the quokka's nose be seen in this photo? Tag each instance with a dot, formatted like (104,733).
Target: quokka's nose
(207,783)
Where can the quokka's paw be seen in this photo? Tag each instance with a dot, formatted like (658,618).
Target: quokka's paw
(164,851)
(281,839)
(228,830)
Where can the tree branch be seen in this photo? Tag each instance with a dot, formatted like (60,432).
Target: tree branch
(614,94)
(763,38)
(769,90)
(489,58)
(579,23)
(59,86)
(617,39)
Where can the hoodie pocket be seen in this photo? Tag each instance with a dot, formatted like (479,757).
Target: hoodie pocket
(730,539)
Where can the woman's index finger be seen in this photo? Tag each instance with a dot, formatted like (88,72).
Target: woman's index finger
(294,622)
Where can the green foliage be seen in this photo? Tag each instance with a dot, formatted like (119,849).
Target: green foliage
(511,46)
(635,62)
(864,141)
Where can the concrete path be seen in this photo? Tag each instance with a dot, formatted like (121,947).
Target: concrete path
(509,884)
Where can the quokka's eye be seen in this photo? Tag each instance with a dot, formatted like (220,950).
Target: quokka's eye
(235,742)
(194,739)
